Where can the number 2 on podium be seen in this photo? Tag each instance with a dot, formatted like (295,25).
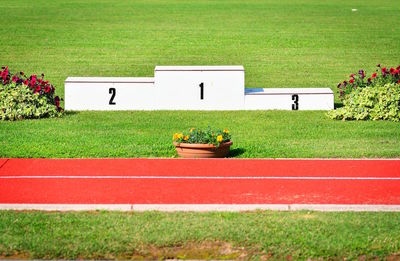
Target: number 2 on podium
(112,91)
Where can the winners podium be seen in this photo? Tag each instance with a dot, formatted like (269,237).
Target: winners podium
(189,88)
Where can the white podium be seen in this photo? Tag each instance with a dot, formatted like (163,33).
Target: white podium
(200,87)
(289,99)
(189,88)
(109,93)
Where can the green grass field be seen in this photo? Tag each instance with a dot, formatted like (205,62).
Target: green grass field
(287,43)
(275,134)
(280,43)
(306,43)
(155,235)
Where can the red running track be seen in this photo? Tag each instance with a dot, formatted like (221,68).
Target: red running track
(199,181)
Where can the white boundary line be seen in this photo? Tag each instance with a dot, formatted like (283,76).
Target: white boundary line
(201,207)
(202,177)
(218,159)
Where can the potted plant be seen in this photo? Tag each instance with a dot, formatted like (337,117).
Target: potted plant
(198,143)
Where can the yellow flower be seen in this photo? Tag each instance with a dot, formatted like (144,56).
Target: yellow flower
(226,131)
(177,136)
(186,137)
(192,129)
(219,138)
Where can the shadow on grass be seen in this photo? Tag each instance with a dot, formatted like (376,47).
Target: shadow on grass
(236,152)
(70,113)
(338,105)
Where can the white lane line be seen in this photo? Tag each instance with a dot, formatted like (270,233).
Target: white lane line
(200,207)
(202,177)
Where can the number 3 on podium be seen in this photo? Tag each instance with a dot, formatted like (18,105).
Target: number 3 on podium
(295,99)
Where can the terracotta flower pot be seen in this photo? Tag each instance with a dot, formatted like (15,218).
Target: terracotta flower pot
(187,150)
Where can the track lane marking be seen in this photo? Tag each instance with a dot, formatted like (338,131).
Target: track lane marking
(203,177)
(202,207)
(4,163)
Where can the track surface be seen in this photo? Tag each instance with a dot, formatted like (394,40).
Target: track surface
(205,181)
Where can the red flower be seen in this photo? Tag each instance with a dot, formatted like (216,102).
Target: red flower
(352,75)
(57,101)
(351,80)
(374,75)
(392,71)
(26,82)
(369,79)
(397,71)
(33,80)
(37,89)
(47,89)
(398,82)
(4,74)
(384,71)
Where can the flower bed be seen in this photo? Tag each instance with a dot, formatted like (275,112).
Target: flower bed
(380,77)
(373,98)
(25,97)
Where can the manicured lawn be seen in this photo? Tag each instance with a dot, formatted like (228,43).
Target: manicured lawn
(110,235)
(287,43)
(306,43)
(149,134)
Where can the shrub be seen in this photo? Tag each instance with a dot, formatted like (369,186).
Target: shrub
(23,97)
(199,136)
(380,77)
(19,102)
(370,103)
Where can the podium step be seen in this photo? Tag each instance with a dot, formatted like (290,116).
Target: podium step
(289,99)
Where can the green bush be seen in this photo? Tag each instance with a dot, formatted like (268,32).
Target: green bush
(18,102)
(370,103)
